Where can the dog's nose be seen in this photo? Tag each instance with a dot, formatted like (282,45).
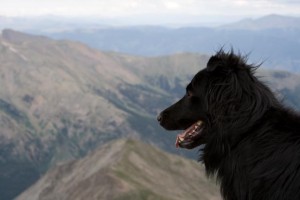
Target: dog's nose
(159,117)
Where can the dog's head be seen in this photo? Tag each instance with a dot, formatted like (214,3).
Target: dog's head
(223,97)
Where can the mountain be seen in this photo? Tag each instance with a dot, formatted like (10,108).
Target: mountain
(266,22)
(125,169)
(49,106)
(52,23)
(273,40)
(60,100)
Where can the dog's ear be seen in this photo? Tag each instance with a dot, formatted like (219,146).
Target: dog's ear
(224,63)
(213,63)
(218,65)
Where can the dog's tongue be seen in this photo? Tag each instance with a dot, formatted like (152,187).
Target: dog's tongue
(189,133)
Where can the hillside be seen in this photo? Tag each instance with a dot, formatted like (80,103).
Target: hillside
(60,100)
(51,87)
(125,169)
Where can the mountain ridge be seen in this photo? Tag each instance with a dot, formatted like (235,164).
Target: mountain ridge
(272,21)
(272,39)
(125,169)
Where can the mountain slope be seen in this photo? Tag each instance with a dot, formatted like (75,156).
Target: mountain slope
(51,87)
(125,169)
(61,99)
(51,105)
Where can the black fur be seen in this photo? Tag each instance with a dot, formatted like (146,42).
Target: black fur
(252,142)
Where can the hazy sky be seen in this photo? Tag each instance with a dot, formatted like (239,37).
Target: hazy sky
(124,8)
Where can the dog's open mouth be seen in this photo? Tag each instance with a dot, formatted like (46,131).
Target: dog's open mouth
(189,138)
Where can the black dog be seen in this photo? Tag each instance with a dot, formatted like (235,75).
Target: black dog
(252,142)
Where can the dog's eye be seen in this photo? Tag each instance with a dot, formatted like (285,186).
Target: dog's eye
(189,93)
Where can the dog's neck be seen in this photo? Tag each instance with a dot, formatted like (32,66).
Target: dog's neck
(224,136)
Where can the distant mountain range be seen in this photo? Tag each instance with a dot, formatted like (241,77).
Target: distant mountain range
(60,100)
(122,170)
(266,22)
(273,39)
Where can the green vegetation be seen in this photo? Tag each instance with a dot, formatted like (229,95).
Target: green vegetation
(16,114)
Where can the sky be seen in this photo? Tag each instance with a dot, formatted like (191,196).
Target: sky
(156,9)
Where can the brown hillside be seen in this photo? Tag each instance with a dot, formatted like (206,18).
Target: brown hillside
(125,169)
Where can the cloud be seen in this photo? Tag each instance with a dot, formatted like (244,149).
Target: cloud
(117,8)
